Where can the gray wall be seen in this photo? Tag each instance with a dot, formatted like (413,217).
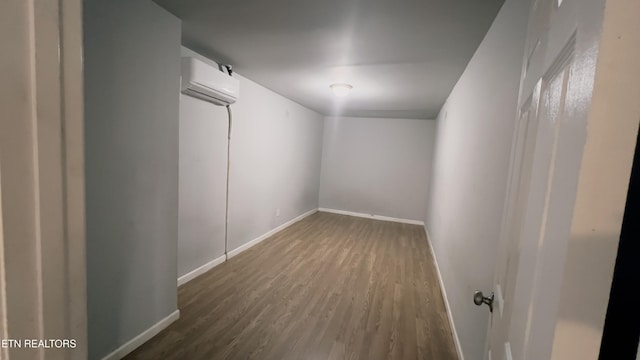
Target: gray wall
(203,183)
(377,166)
(470,170)
(276,150)
(131,54)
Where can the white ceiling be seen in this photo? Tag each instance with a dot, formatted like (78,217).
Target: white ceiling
(402,57)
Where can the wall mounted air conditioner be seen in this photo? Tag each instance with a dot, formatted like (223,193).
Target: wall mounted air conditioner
(207,83)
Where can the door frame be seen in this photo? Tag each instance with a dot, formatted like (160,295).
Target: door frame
(42,167)
(622,321)
(622,324)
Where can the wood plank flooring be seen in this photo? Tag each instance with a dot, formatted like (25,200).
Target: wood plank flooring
(328,287)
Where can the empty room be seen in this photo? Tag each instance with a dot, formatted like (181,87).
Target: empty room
(338,179)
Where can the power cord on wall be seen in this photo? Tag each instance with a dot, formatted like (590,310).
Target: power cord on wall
(226,211)
(229,70)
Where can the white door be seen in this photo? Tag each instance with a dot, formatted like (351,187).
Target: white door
(560,150)
(519,182)
(532,171)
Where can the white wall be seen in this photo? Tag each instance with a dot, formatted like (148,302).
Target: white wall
(377,166)
(203,183)
(276,151)
(131,58)
(470,170)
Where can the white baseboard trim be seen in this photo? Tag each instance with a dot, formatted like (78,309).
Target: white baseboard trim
(371,216)
(454,333)
(145,336)
(262,237)
(201,270)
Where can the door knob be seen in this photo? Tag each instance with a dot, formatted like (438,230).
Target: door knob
(479,299)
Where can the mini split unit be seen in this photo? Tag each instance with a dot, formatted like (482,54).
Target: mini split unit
(207,83)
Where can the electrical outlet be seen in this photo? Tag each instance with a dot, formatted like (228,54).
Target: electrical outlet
(278,212)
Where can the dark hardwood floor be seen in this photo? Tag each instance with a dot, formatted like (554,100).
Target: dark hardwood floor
(328,287)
